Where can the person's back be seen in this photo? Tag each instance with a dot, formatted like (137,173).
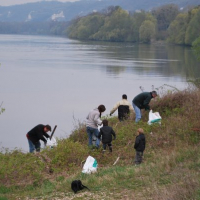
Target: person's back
(124,108)
(93,118)
(106,132)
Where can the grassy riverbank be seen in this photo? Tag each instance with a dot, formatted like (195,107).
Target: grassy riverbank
(171,168)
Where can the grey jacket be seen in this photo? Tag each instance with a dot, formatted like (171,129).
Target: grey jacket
(93,119)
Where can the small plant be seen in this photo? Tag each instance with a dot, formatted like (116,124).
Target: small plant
(1,109)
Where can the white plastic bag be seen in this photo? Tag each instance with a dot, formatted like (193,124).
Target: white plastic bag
(100,126)
(51,143)
(154,117)
(90,165)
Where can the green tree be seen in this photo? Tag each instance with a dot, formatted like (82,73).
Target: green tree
(196,47)
(164,15)
(89,25)
(116,27)
(85,27)
(177,29)
(147,31)
(137,19)
(193,29)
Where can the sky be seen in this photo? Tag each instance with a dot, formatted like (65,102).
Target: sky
(15,2)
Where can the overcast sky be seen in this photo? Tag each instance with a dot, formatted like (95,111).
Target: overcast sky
(15,2)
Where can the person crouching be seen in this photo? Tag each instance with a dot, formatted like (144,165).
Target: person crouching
(106,132)
(139,146)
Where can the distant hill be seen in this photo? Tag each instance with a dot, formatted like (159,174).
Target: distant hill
(57,11)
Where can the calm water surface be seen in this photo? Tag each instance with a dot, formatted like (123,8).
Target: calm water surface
(57,81)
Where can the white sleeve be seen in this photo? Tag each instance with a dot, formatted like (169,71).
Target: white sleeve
(115,107)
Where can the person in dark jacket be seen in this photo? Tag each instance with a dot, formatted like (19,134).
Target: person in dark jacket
(141,101)
(106,132)
(139,146)
(35,135)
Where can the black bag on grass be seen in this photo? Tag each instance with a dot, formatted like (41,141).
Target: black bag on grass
(77,185)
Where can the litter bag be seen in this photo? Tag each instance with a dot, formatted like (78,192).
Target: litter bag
(100,126)
(154,117)
(51,143)
(90,165)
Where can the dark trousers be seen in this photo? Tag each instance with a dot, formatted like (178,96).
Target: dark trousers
(138,157)
(109,146)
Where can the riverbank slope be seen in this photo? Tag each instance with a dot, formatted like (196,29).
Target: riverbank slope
(171,167)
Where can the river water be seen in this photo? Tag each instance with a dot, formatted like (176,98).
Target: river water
(57,81)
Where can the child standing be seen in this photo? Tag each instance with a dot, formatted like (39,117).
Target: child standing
(106,132)
(139,146)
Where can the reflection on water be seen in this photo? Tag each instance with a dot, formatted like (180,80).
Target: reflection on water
(158,60)
(54,80)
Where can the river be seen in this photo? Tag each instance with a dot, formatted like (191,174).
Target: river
(57,81)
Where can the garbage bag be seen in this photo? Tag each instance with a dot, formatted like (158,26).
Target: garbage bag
(100,126)
(154,117)
(90,165)
(51,143)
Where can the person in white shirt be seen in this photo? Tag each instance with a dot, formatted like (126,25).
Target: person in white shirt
(124,108)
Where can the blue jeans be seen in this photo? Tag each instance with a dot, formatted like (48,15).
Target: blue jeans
(33,147)
(92,131)
(138,114)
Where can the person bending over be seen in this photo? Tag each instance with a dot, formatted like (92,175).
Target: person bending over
(141,101)
(35,135)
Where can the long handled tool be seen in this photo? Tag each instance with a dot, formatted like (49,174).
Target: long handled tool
(53,131)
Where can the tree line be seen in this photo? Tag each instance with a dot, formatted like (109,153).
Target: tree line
(167,22)
(35,28)
(114,24)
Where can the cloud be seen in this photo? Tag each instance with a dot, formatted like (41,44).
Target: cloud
(17,2)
